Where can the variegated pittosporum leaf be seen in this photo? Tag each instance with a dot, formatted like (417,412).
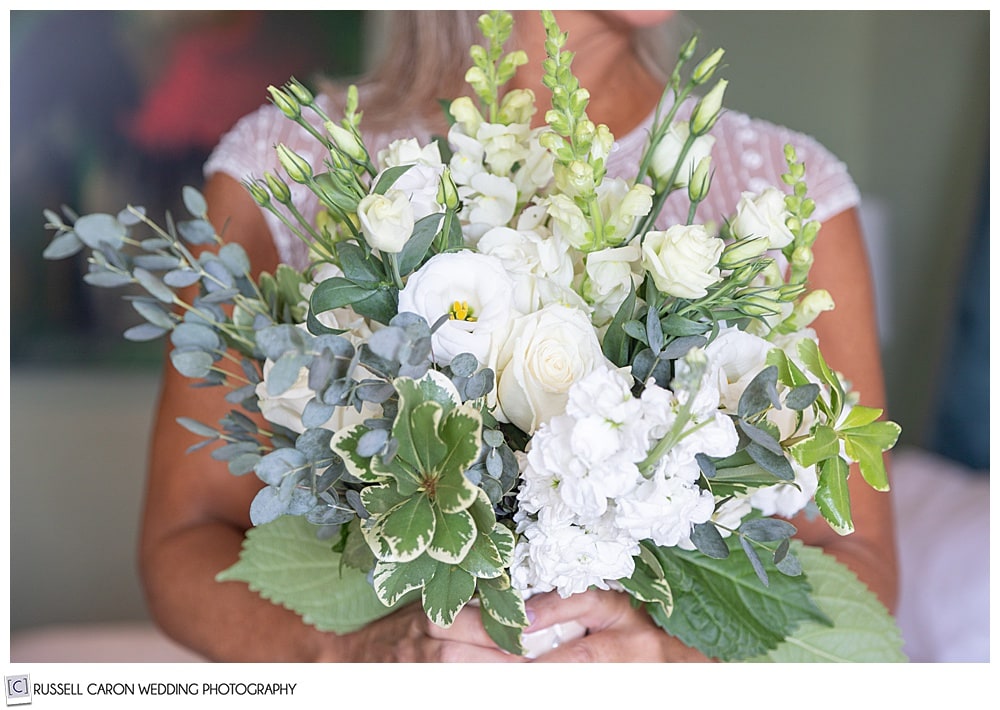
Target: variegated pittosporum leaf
(429,527)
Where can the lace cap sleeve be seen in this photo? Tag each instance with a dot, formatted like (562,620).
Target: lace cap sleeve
(753,153)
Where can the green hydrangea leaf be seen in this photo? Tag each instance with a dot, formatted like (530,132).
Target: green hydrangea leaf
(862,631)
(284,562)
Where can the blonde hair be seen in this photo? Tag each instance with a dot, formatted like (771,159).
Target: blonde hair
(424,54)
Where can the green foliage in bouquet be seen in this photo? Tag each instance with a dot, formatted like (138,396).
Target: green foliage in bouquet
(414,496)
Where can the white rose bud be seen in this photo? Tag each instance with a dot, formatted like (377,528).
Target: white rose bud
(386,220)
(683,260)
(763,215)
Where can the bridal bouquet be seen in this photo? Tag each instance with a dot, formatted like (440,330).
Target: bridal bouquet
(501,376)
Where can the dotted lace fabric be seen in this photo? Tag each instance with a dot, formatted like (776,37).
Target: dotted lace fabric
(748,156)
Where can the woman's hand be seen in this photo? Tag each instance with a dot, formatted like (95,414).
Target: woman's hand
(407,636)
(616,631)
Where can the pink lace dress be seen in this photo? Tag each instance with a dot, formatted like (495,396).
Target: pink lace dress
(748,156)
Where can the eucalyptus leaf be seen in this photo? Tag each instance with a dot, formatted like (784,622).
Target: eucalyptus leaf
(107,279)
(99,228)
(144,332)
(153,285)
(191,363)
(194,202)
(62,246)
(802,396)
(196,231)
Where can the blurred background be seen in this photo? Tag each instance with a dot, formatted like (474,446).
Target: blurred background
(117,107)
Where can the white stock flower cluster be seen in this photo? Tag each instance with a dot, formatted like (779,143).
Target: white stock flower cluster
(585,503)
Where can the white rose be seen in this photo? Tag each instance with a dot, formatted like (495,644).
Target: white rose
(474,289)
(386,220)
(763,215)
(682,260)
(668,152)
(544,353)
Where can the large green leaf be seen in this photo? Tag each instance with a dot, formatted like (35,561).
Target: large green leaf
(722,608)
(403,533)
(454,534)
(446,593)
(862,631)
(833,498)
(287,564)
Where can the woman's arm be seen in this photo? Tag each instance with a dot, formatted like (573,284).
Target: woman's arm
(196,514)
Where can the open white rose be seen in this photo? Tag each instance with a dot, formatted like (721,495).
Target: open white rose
(763,215)
(474,290)
(683,260)
(544,353)
(386,220)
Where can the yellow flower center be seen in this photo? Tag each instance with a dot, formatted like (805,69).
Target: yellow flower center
(460,310)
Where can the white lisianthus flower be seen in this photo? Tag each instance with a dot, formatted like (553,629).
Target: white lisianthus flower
(735,357)
(567,220)
(609,276)
(683,260)
(543,354)
(530,258)
(474,290)
(668,152)
(386,220)
(763,215)
(286,409)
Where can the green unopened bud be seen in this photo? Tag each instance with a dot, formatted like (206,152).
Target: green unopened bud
(346,141)
(557,122)
(583,135)
(701,180)
(466,115)
(758,305)
(285,102)
(295,165)
(707,66)
(578,101)
(687,50)
(278,188)
(297,89)
(258,193)
(448,191)
(476,78)
(707,112)
(802,257)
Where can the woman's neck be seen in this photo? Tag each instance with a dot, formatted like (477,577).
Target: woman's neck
(623,91)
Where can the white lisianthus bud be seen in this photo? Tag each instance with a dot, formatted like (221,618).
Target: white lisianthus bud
(285,102)
(701,180)
(763,215)
(346,141)
(742,251)
(668,152)
(703,72)
(683,261)
(386,220)
(707,112)
(295,165)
